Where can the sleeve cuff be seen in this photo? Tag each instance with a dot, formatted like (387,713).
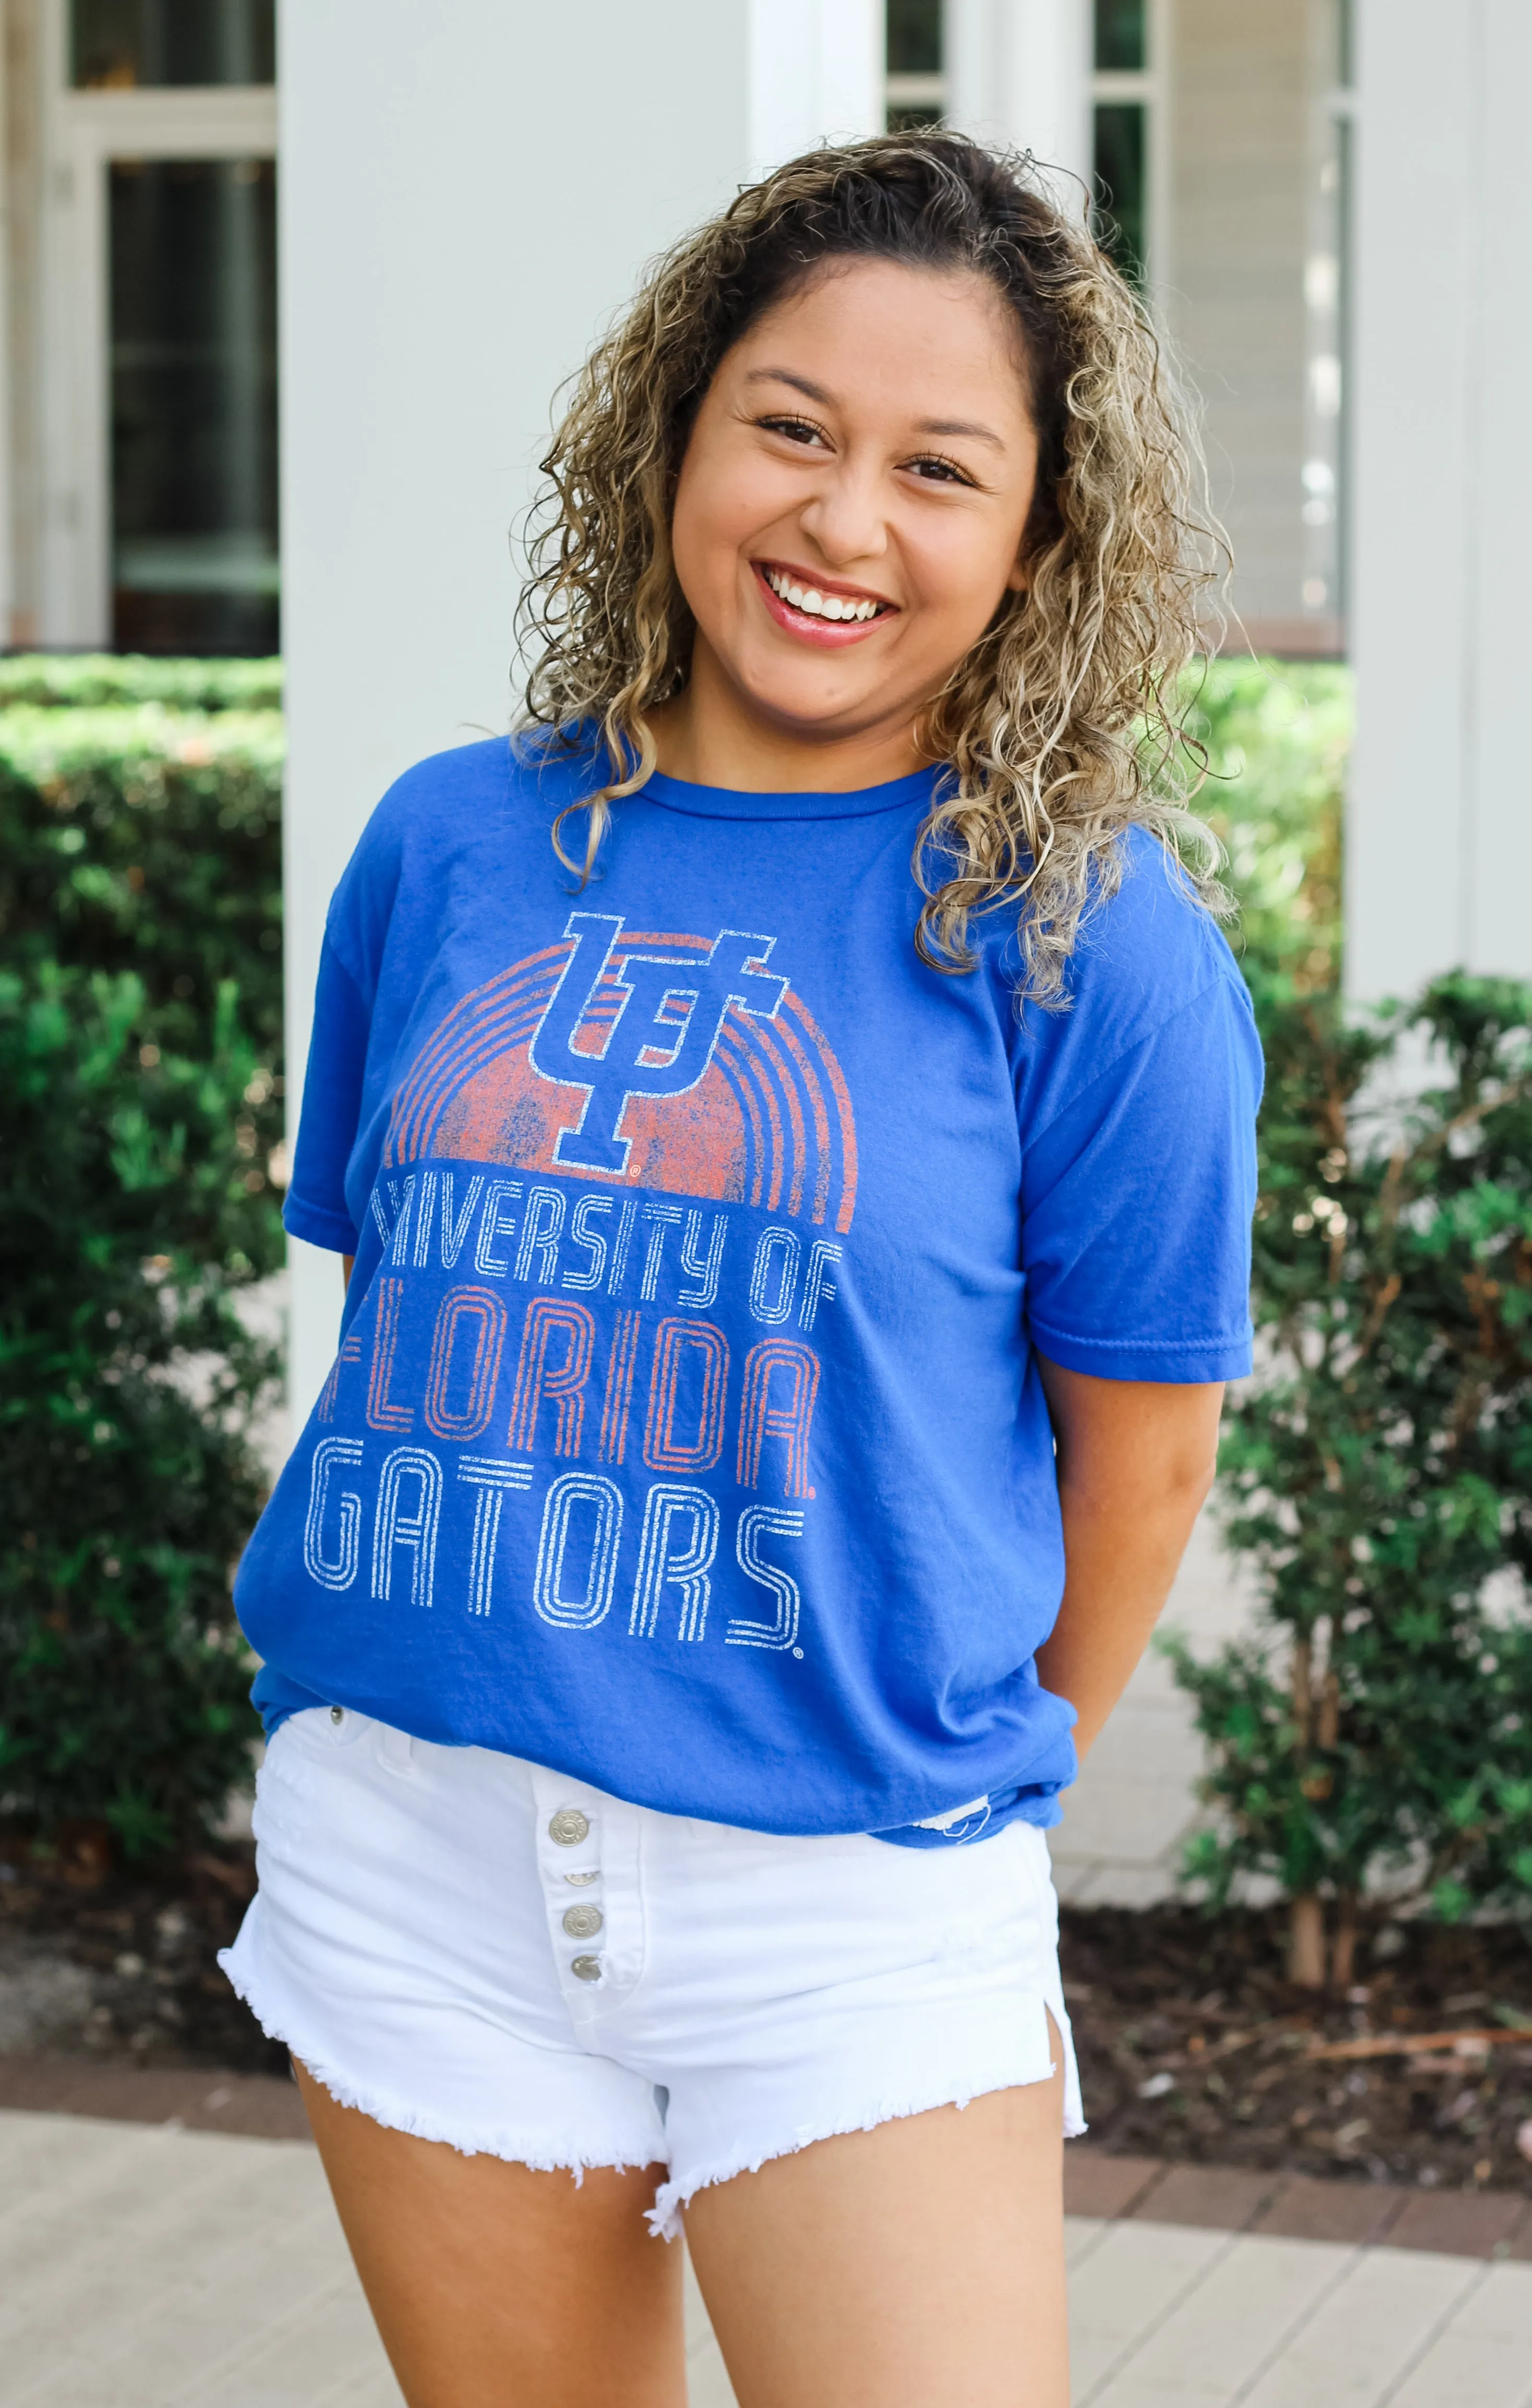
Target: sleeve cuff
(317,1226)
(1174,1362)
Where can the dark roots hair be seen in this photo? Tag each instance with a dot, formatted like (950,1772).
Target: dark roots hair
(1062,726)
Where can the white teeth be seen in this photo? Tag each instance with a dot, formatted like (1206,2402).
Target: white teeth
(816,605)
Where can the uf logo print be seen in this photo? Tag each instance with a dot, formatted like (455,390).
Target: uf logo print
(669,1017)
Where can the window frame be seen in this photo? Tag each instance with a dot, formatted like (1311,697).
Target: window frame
(83,133)
(1150,88)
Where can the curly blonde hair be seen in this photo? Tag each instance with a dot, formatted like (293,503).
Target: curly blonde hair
(1060,727)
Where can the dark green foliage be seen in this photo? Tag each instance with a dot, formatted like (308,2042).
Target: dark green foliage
(141,1015)
(1379,1469)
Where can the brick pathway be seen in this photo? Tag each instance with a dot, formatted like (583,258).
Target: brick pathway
(147,2264)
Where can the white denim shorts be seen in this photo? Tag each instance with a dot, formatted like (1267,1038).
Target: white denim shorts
(471,1948)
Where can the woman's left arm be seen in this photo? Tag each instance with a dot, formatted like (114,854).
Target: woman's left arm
(1135,1465)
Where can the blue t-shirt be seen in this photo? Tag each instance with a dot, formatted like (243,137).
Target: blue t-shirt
(686,1432)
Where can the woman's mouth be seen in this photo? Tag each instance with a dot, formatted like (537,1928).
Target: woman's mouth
(820,615)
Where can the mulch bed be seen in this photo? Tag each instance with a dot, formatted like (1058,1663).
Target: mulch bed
(1193,2044)
(147,1942)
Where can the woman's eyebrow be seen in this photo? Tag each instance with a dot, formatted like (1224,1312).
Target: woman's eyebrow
(961,427)
(800,383)
(923,426)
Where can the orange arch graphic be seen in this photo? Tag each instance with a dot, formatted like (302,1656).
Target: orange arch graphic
(770,1124)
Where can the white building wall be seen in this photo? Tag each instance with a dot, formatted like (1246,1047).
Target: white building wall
(1239,84)
(1438,867)
(468,193)
(1019,71)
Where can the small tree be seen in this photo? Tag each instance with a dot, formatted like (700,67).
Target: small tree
(1379,1470)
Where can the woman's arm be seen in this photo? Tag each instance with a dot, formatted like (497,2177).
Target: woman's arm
(348,1264)
(1134,1464)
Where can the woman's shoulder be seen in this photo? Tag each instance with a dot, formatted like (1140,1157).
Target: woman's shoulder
(1147,952)
(1149,938)
(456,800)
(470,788)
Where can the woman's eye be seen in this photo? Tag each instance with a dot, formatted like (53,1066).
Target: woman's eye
(937,471)
(797,430)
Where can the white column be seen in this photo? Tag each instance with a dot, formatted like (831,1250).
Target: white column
(468,192)
(816,73)
(1439,855)
(1019,71)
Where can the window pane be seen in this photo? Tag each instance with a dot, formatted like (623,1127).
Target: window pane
(193,405)
(1117,214)
(117,44)
(914,40)
(1119,35)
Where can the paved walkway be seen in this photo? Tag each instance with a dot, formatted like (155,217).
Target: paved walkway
(146,2266)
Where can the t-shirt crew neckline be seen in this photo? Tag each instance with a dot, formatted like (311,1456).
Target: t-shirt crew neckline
(731,803)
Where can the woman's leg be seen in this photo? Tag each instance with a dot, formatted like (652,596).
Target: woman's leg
(919,2265)
(495,2287)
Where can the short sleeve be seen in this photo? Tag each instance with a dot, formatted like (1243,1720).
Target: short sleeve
(1137,1199)
(316,1207)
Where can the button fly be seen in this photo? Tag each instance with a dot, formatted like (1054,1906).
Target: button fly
(568,1827)
(586,1968)
(582,1921)
(581,1881)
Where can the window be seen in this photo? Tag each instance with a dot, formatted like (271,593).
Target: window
(917,86)
(151,452)
(124,45)
(1124,127)
(192,366)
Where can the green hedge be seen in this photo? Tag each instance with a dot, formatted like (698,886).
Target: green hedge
(140,1107)
(90,680)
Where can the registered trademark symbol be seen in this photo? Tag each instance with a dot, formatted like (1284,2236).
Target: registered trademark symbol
(798,1652)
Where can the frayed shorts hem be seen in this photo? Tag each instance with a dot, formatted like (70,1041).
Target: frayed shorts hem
(672,2199)
(394,2116)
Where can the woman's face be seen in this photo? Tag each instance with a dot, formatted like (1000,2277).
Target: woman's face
(850,506)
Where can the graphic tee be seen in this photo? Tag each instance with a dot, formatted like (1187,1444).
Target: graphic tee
(686,1433)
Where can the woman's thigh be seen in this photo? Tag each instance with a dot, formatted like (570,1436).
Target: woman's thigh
(497,2287)
(918,2265)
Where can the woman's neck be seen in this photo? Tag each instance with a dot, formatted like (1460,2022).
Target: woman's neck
(709,735)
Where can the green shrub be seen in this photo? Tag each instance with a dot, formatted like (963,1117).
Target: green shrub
(1378,1471)
(140,1014)
(1277,736)
(89,681)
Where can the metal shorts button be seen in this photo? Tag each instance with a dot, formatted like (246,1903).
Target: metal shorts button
(338,1713)
(568,1827)
(586,1968)
(582,1921)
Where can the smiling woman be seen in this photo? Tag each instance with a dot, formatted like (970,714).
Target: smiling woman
(791,1113)
(985,399)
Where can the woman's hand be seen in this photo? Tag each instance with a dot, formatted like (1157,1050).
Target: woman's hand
(1135,1465)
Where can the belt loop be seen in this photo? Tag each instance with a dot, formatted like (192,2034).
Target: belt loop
(395,1748)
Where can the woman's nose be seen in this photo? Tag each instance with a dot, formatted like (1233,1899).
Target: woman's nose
(845,518)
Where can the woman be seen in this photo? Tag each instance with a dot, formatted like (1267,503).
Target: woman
(791,1113)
